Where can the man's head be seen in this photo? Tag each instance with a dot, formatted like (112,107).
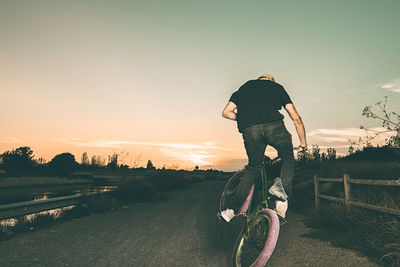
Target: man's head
(266,77)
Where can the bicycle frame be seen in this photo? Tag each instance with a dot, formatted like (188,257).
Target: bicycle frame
(254,212)
(250,214)
(249,201)
(261,226)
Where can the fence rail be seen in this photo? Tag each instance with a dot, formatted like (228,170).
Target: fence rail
(28,207)
(346,180)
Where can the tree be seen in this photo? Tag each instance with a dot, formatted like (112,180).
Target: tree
(390,121)
(351,150)
(85,159)
(63,161)
(331,153)
(316,152)
(20,159)
(97,161)
(150,165)
(113,161)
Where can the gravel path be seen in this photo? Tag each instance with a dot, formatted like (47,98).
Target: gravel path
(181,230)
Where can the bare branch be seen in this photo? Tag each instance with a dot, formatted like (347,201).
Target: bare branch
(387,122)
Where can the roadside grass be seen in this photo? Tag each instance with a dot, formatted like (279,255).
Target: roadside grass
(374,234)
(141,186)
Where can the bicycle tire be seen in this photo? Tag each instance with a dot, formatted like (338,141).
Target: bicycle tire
(255,246)
(229,191)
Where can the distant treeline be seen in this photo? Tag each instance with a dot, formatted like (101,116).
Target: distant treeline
(367,153)
(22,160)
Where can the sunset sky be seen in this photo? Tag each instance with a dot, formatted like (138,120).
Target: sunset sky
(150,78)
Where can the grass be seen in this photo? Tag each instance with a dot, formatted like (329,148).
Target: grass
(137,187)
(374,234)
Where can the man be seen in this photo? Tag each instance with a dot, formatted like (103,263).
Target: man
(257,104)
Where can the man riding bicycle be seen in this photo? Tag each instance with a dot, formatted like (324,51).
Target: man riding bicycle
(257,104)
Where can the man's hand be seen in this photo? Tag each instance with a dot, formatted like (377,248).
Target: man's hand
(298,123)
(303,151)
(229,111)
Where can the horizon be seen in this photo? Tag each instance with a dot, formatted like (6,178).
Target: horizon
(151,79)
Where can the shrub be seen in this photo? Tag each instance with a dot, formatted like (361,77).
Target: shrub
(63,164)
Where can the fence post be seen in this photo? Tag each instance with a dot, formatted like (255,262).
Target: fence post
(346,190)
(316,192)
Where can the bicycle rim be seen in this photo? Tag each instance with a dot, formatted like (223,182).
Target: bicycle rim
(255,246)
(229,191)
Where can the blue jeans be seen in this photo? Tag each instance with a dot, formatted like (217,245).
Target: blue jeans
(256,138)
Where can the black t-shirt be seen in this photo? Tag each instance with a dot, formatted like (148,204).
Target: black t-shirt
(258,102)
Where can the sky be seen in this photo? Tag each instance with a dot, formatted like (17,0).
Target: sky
(149,79)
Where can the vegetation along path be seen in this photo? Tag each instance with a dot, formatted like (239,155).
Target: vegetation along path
(181,229)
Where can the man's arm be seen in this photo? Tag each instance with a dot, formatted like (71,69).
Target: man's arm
(229,111)
(298,123)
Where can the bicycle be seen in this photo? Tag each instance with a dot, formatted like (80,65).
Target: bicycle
(259,235)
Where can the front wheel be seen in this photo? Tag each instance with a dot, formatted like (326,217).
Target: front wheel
(257,241)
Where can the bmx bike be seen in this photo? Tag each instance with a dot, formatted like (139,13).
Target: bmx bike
(259,235)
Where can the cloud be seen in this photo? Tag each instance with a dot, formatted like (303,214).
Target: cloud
(119,144)
(337,132)
(341,138)
(393,85)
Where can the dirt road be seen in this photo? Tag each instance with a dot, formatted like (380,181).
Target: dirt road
(180,230)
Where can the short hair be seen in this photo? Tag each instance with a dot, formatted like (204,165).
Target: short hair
(266,77)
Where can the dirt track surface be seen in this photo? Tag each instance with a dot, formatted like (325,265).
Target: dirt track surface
(181,230)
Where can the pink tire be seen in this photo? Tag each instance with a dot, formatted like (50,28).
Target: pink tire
(255,246)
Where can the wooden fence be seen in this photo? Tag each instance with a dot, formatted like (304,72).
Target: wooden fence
(347,181)
(28,207)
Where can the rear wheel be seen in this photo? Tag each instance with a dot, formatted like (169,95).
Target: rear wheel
(227,198)
(255,244)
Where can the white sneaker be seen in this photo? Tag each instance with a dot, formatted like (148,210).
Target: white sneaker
(228,214)
(281,207)
(277,189)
